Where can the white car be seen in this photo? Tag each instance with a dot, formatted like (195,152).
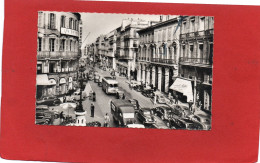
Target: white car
(135,126)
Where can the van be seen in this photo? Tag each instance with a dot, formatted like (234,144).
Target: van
(123,112)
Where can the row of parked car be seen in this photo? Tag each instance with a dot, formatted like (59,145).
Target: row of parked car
(161,117)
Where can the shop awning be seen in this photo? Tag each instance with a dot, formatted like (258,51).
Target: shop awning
(42,79)
(184,87)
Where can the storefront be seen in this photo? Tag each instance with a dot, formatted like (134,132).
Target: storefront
(44,86)
(183,87)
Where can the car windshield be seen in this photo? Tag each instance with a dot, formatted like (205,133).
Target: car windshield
(128,115)
(113,85)
(147,113)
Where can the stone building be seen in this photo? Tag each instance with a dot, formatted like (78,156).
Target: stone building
(196,58)
(158,54)
(57,52)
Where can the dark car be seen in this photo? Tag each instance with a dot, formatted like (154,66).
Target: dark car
(135,103)
(204,120)
(184,109)
(159,124)
(145,116)
(183,123)
(148,93)
(43,115)
(50,101)
(120,94)
(164,112)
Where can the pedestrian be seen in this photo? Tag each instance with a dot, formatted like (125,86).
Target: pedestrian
(64,99)
(92,110)
(151,85)
(94,96)
(176,99)
(107,120)
(190,105)
(123,97)
(61,117)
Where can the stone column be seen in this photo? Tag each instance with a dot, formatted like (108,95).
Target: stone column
(166,80)
(139,78)
(148,76)
(159,78)
(153,76)
(143,77)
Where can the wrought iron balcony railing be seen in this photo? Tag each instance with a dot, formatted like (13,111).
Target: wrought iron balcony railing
(56,55)
(162,60)
(196,61)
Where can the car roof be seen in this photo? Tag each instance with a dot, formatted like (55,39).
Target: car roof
(120,102)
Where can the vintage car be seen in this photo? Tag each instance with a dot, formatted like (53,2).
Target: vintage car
(164,112)
(204,120)
(145,116)
(161,99)
(135,103)
(123,112)
(119,94)
(160,124)
(182,108)
(43,115)
(50,101)
(184,123)
(148,92)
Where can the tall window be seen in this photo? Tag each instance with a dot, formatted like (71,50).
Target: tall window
(192,25)
(200,51)
(52,21)
(70,23)
(62,45)
(76,25)
(183,50)
(191,52)
(63,21)
(39,44)
(202,24)
(184,27)
(70,45)
(52,44)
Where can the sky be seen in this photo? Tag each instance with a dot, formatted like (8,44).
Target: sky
(103,23)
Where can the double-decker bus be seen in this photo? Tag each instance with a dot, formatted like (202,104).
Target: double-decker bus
(109,85)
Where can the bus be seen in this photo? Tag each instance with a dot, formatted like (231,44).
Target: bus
(109,85)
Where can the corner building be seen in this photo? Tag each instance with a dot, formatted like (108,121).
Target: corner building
(158,54)
(57,53)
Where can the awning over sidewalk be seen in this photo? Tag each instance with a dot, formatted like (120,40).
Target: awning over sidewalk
(42,79)
(184,87)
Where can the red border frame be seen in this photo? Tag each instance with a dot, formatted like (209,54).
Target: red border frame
(235,124)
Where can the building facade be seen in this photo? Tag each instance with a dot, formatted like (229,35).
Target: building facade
(158,54)
(57,52)
(196,57)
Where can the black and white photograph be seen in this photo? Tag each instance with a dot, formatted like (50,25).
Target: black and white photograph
(124,70)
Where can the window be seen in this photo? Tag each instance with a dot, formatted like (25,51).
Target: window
(76,25)
(164,35)
(191,52)
(70,45)
(52,44)
(184,27)
(202,24)
(52,21)
(62,45)
(200,54)
(183,50)
(39,44)
(169,33)
(63,19)
(70,23)
(192,25)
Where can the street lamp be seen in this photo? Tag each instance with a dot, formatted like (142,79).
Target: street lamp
(79,111)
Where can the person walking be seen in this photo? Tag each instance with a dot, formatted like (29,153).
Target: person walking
(176,99)
(64,99)
(92,110)
(61,117)
(190,105)
(107,120)
(123,97)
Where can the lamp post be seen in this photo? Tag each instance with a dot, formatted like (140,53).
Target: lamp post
(79,111)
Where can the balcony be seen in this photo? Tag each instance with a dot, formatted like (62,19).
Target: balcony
(196,61)
(128,37)
(124,57)
(42,55)
(165,61)
(204,33)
